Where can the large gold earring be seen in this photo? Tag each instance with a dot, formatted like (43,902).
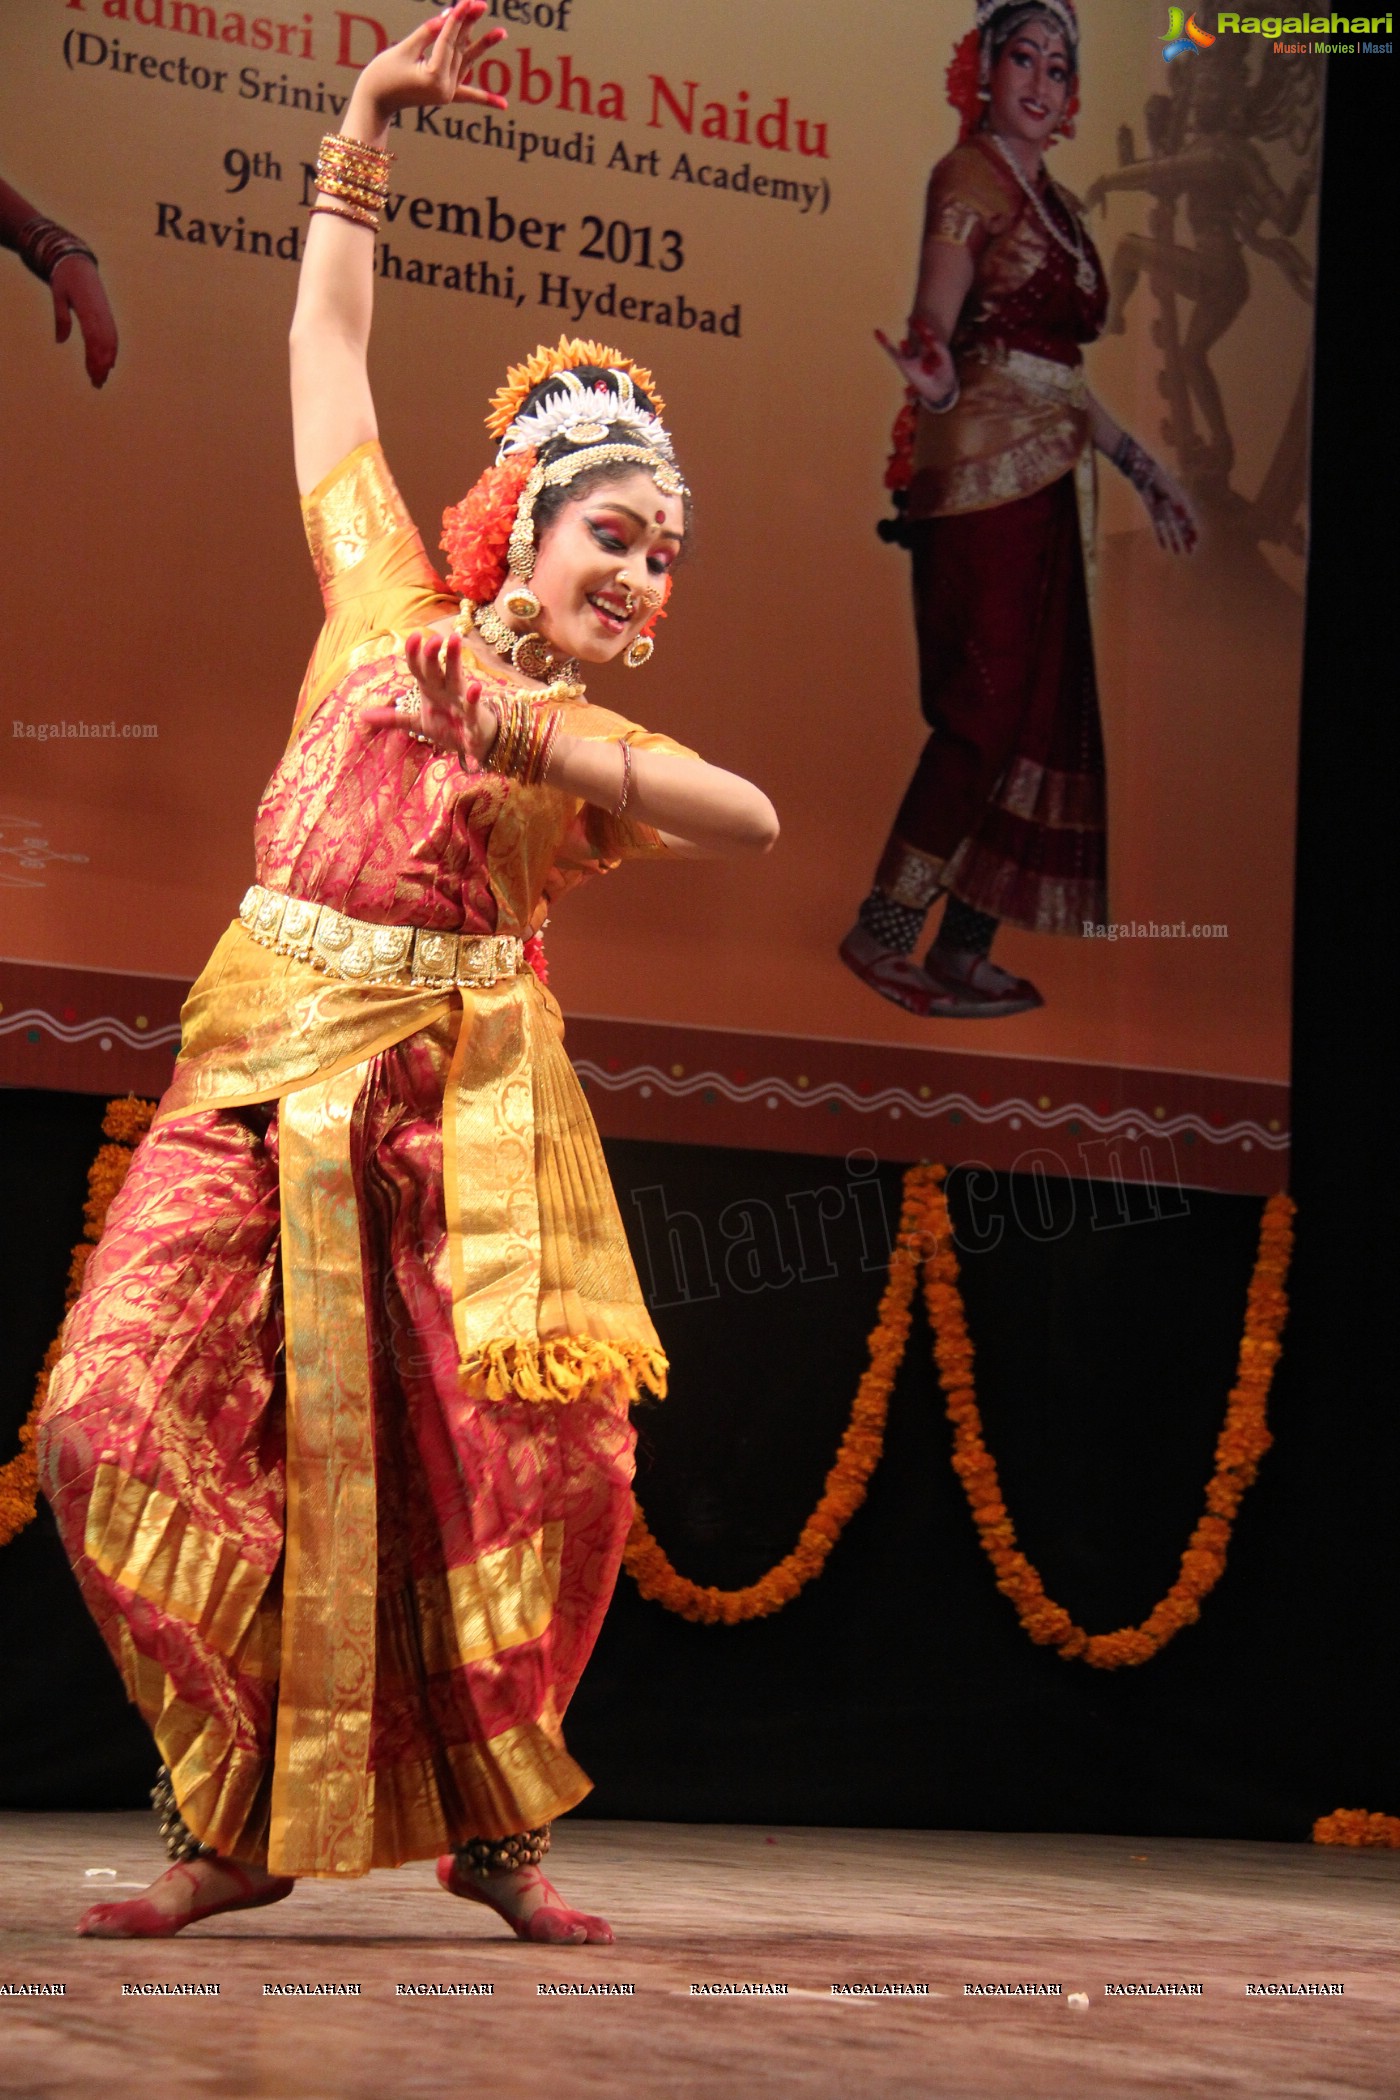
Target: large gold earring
(639,652)
(522,604)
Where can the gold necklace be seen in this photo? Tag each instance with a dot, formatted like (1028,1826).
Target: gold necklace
(529,652)
(1085,275)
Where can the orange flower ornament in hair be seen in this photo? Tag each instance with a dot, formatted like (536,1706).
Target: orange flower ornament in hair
(476,532)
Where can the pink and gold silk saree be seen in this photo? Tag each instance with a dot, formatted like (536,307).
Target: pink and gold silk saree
(339,1442)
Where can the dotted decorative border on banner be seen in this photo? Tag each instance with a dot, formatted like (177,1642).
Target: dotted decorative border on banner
(1074,1117)
(34,1022)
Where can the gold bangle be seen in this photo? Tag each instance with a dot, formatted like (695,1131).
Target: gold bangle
(506,746)
(350,192)
(348,171)
(350,212)
(546,750)
(620,805)
(524,740)
(357,181)
(356,149)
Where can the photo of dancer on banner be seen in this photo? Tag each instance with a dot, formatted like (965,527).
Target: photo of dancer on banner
(1061,797)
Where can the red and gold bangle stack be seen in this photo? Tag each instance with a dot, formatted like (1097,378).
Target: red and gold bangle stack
(356,176)
(524,741)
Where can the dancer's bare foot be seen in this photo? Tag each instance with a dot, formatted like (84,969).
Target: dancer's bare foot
(190,1890)
(529,1903)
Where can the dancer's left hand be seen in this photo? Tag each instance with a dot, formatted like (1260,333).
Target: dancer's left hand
(1173,519)
(451,710)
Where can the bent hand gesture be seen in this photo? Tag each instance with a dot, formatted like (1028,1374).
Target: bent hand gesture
(1166,504)
(925,363)
(78,295)
(431,64)
(451,711)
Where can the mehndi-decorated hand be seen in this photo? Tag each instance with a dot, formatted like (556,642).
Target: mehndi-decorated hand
(1173,519)
(925,363)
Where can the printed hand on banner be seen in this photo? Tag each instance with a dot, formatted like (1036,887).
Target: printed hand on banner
(451,711)
(432,64)
(78,294)
(1173,519)
(925,363)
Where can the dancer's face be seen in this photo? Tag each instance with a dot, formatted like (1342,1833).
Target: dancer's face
(603,566)
(1031,83)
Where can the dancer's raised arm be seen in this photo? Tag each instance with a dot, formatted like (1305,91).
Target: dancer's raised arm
(332,407)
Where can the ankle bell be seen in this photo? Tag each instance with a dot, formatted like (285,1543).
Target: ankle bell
(179,1840)
(483,1856)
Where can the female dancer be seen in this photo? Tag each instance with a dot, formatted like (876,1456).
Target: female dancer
(339,1443)
(1005,813)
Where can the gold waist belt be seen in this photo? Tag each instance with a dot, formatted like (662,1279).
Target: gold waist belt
(369,954)
(1043,375)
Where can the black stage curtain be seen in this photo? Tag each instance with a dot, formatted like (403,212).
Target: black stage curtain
(899,1689)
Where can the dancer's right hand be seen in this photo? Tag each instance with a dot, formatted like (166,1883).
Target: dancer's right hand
(926,365)
(451,710)
(431,64)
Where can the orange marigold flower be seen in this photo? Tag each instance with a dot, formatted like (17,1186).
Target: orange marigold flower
(1357,1826)
(476,531)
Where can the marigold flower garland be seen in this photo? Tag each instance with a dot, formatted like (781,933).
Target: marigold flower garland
(125,1124)
(1357,1826)
(856,1460)
(926,1238)
(1242,1443)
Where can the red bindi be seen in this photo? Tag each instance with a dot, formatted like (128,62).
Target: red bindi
(661,517)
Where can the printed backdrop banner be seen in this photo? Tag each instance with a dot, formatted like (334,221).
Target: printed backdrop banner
(735,198)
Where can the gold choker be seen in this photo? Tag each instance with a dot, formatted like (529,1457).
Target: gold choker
(529,652)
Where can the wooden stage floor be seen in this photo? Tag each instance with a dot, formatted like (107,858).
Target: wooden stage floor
(729,1906)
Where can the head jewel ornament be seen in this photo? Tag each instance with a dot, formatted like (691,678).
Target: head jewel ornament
(1063,11)
(549,363)
(584,415)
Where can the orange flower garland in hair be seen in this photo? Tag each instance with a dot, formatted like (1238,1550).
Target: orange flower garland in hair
(476,531)
(964,85)
(856,1460)
(125,1123)
(1357,1827)
(1242,1443)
